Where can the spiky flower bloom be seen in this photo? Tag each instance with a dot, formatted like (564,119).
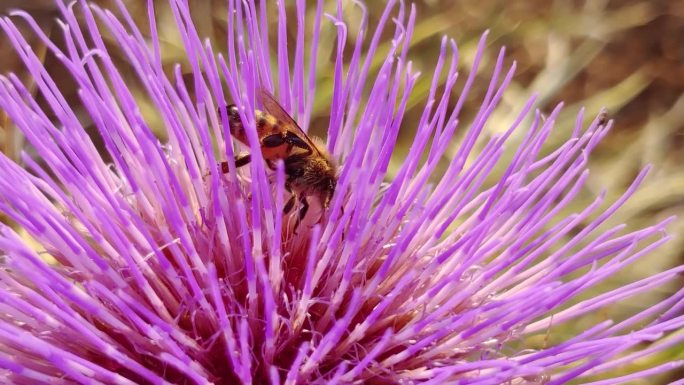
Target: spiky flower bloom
(166,270)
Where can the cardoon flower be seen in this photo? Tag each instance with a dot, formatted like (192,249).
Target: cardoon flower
(159,268)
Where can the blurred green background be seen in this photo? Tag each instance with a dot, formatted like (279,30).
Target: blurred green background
(625,55)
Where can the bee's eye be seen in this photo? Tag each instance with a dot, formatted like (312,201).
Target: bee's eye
(233,110)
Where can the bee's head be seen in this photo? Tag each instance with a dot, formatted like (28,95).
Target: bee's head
(234,121)
(233,112)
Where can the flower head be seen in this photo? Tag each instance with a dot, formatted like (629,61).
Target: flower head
(167,270)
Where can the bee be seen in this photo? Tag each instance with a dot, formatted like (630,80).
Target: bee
(603,117)
(309,169)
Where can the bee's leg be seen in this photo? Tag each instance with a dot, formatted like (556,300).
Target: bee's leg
(240,160)
(290,204)
(302,211)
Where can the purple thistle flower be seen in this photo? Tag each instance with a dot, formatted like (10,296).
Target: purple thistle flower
(168,271)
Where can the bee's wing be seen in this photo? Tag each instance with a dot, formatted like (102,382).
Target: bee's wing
(274,108)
